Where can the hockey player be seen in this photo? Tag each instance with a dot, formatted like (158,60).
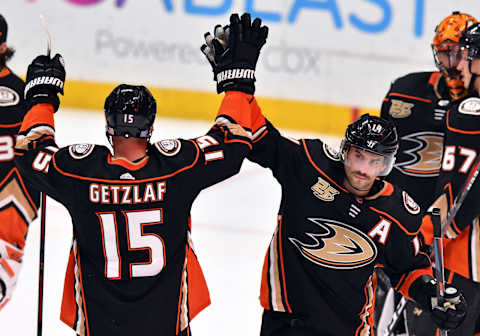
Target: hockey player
(18,201)
(417,104)
(337,222)
(132,269)
(461,147)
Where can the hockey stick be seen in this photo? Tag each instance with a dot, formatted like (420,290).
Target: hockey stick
(41,266)
(42,218)
(49,37)
(439,268)
(448,219)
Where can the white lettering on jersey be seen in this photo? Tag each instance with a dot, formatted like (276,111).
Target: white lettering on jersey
(205,141)
(381,230)
(41,162)
(126,194)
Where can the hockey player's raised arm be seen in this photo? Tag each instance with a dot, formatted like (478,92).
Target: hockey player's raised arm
(271,149)
(220,152)
(35,145)
(233,52)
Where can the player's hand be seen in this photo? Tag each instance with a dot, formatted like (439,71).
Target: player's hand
(10,264)
(447,315)
(45,79)
(233,52)
(451,313)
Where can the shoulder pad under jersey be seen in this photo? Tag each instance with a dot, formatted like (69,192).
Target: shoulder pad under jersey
(403,208)
(410,82)
(72,159)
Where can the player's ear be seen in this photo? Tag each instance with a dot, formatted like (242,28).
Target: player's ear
(3,47)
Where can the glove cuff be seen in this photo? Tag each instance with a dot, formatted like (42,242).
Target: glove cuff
(44,96)
(240,79)
(50,81)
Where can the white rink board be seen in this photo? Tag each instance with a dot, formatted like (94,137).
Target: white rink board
(336,51)
(232,224)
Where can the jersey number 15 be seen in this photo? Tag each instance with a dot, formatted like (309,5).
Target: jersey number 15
(136,240)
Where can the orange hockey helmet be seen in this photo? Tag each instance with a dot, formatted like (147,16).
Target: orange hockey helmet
(447,51)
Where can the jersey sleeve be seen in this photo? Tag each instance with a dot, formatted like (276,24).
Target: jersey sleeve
(35,151)
(271,149)
(405,259)
(221,151)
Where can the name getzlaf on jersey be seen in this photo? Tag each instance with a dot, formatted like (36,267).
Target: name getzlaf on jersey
(132,269)
(417,104)
(321,261)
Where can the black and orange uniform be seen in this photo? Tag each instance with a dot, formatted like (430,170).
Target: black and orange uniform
(132,268)
(318,274)
(18,200)
(462,242)
(417,104)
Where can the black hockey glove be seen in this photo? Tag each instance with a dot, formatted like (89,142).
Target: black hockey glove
(45,79)
(448,315)
(233,53)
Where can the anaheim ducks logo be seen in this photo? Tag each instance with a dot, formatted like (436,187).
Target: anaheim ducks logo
(425,156)
(337,245)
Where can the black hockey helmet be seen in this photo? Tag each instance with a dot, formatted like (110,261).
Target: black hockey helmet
(130,111)
(375,135)
(470,40)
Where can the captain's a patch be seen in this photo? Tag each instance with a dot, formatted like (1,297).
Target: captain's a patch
(168,147)
(80,151)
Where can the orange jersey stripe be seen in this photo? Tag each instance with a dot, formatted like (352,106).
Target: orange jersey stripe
(396,222)
(282,268)
(410,97)
(457,130)
(321,171)
(129,181)
(10,125)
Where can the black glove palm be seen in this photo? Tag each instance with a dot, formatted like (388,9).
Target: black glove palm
(235,53)
(45,79)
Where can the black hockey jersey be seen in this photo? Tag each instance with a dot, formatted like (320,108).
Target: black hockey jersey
(321,260)
(18,201)
(132,269)
(417,104)
(462,250)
